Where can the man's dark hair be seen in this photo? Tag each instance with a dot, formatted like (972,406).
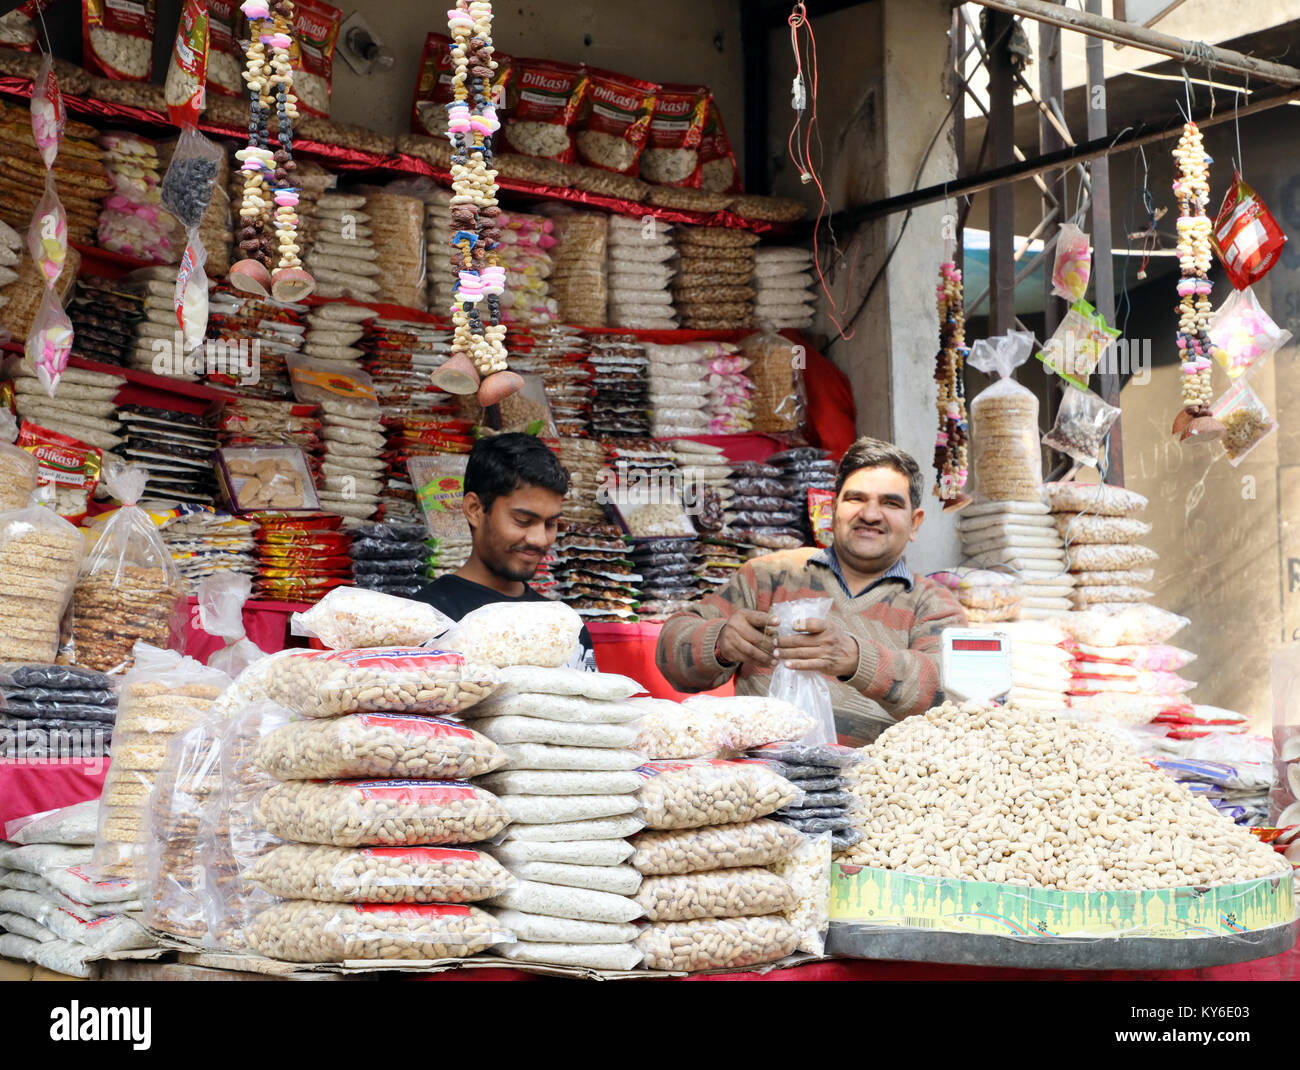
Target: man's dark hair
(869,452)
(502,463)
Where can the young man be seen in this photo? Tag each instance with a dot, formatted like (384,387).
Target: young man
(879,644)
(514,495)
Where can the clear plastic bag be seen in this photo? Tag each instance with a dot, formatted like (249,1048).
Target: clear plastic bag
(808,869)
(1079,343)
(439,483)
(348,618)
(40,554)
(559,708)
(749,843)
(1247,420)
(1243,334)
(598,686)
(546,634)
(577,904)
(749,721)
(68,825)
(49,116)
(304,931)
(129,589)
(221,613)
(719,893)
(380,874)
(19,470)
(1072,267)
(1099,499)
(191,177)
(1082,424)
(692,794)
(381,813)
(779,401)
(343,392)
(1006,459)
(332,683)
(377,744)
(716,943)
(47,237)
(191,294)
(809,691)
(49,342)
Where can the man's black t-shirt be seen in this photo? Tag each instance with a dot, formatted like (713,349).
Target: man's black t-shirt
(456,597)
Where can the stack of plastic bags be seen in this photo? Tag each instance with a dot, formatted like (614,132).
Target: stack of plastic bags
(440,282)
(731,392)
(53,912)
(763,510)
(668,571)
(333,333)
(132,221)
(397,235)
(808,468)
(525,244)
(578,284)
(51,712)
(205,541)
(1100,529)
(560,356)
(389,558)
(1020,539)
(784,285)
(400,355)
(621,407)
(83,409)
(712,290)
(591,571)
(264,335)
(819,771)
(342,257)
(104,315)
(176,448)
(640,266)
(584,458)
(704,472)
(678,405)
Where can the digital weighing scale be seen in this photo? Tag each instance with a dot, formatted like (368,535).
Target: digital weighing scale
(975,665)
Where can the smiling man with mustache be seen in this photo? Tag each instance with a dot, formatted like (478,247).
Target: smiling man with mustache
(880,643)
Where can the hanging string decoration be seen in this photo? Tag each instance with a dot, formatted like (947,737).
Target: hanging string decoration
(951,443)
(478,360)
(268,213)
(1195,350)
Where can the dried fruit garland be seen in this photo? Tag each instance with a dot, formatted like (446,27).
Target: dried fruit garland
(478,360)
(950,448)
(268,213)
(1195,350)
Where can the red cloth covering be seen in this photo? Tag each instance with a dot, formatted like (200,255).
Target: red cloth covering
(265,623)
(831,420)
(28,788)
(629,649)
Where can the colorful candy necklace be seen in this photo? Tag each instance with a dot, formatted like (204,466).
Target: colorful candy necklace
(951,442)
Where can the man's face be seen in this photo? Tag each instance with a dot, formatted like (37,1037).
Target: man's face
(874,519)
(517,532)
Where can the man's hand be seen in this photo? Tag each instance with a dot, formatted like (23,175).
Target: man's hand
(747,639)
(823,646)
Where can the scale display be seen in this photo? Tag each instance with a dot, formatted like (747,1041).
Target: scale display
(976,666)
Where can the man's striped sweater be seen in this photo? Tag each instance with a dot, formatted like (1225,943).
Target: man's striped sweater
(897,622)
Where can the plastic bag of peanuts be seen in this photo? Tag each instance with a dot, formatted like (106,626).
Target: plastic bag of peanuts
(304,931)
(679,795)
(716,943)
(659,852)
(719,893)
(332,683)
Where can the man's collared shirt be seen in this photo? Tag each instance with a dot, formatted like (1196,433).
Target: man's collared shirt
(897,571)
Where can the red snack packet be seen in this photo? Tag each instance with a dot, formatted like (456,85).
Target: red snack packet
(73,467)
(1246,237)
(615,121)
(315,33)
(19,29)
(718,170)
(187,74)
(544,101)
(225,57)
(117,38)
(821,513)
(433,89)
(672,153)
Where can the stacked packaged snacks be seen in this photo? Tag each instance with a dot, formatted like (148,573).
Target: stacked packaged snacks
(569,783)
(397,226)
(621,405)
(205,541)
(712,290)
(640,271)
(783,283)
(1100,529)
(763,510)
(808,469)
(559,355)
(1040,663)
(162,696)
(704,471)
(584,459)
(132,221)
(389,557)
(677,404)
(578,284)
(525,244)
(373,868)
(175,448)
(53,912)
(300,558)
(56,712)
(667,571)
(818,771)
(440,288)
(252,422)
(79,174)
(83,409)
(1019,540)
(262,334)
(329,337)
(104,317)
(343,257)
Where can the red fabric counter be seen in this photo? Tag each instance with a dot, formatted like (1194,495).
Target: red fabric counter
(28,788)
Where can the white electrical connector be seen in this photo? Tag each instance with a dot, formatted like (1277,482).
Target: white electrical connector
(798,97)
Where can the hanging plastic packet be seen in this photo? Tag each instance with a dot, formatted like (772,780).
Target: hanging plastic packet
(1079,343)
(1073,266)
(809,691)
(1246,237)
(1006,457)
(1247,421)
(49,116)
(1243,333)
(49,342)
(821,515)
(191,295)
(221,613)
(47,237)
(187,74)
(191,177)
(1082,424)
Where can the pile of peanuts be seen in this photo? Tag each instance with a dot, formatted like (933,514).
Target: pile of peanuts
(1016,797)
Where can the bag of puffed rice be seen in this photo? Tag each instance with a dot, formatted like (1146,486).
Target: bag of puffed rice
(503,634)
(672,153)
(544,102)
(117,39)
(615,121)
(315,33)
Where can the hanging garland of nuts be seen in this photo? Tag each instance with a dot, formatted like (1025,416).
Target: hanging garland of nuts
(950,445)
(478,335)
(1195,350)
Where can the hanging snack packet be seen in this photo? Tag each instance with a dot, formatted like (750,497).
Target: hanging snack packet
(1073,266)
(191,295)
(187,74)
(544,102)
(1246,236)
(672,153)
(49,341)
(615,121)
(225,57)
(47,237)
(821,514)
(315,34)
(49,116)
(18,28)
(1243,333)
(191,177)
(117,38)
(1082,424)
(1079,343)
(1247,421)
(1006,458)
(439,483)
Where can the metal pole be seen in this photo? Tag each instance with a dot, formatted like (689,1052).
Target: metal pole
(1002,205)
(1050,140)
(1103,267)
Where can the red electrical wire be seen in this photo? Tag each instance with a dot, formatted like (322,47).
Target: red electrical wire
(801,154)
